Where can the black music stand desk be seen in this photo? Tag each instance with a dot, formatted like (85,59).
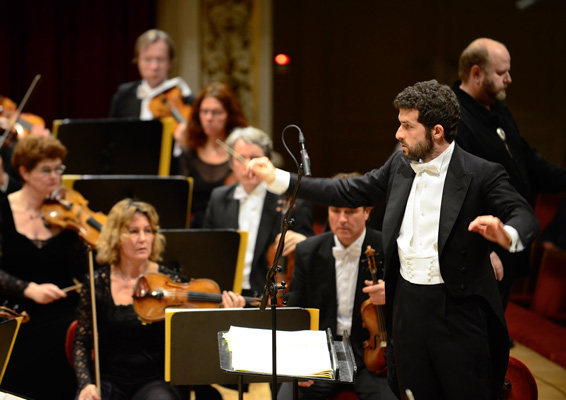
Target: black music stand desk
(341,354)
(191,340)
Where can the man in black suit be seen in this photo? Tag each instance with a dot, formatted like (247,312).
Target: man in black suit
(446,331)
(154,55)
(248,206)
(331,274)
(488,130)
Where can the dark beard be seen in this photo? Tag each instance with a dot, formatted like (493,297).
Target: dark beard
(421,150)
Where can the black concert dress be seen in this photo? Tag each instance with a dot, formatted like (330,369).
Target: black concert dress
(38,367)
(132,354)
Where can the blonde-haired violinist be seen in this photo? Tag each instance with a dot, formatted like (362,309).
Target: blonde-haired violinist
(131,353)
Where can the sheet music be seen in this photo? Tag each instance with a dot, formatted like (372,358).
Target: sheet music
(299,353)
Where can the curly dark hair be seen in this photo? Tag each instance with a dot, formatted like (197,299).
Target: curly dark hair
(436,103)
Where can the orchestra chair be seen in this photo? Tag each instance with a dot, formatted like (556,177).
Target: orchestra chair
(549,297)
(170,195)
(519,382)
(116,146)
(70,342)
(217,254)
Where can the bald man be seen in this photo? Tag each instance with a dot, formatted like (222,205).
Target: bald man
(487,129)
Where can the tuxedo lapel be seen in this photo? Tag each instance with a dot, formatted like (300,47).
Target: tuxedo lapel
(400,188)
(269,217)
(326,275)
(231,210)
(455,189)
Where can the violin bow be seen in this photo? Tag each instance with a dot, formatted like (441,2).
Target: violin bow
(19,109)
(94,321)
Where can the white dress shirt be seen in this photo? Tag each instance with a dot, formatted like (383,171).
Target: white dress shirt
(417,243)
(347,266)
(249,217)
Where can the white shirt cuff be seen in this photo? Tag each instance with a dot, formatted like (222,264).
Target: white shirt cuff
(281,182)
(516,244)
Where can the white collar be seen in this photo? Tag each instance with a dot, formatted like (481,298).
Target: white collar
(146,92)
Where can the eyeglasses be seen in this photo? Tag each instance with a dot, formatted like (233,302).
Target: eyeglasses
(214,113)
(48,171)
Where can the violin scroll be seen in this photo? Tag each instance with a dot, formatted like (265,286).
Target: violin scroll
(8,313)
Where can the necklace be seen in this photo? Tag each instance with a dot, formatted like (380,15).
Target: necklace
(32,216)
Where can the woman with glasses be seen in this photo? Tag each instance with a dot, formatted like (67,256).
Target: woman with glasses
(37,263)
(215,113)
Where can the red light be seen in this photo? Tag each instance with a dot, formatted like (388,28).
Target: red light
(282,59)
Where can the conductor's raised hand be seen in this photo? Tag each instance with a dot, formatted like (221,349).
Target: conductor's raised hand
(492,229)
(262,168)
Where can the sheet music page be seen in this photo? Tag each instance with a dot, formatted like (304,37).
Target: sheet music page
(299,353)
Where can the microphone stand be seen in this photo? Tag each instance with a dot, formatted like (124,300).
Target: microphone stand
(271,287)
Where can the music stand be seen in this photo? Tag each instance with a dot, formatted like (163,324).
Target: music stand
(191,340)
(340,352)
(116,146)
(217,254)
(170,195)
(8,332)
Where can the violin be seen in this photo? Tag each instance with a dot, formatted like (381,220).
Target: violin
(68,209)
(8,313)
(170,104)
(154,292)
(287,263)
(374,321)
(16,124)
(23,124)
(287,266)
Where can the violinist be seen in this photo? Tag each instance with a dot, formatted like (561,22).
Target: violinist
(131,353)
(248,206)
(331,274)
(154,54)
(37,262)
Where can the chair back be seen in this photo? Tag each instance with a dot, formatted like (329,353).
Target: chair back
(519,382)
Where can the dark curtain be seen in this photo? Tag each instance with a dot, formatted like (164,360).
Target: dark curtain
(83,50)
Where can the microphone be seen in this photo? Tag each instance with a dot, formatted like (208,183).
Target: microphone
(305,159)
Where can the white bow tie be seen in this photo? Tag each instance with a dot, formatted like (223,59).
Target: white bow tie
(430,168)
(353,252)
